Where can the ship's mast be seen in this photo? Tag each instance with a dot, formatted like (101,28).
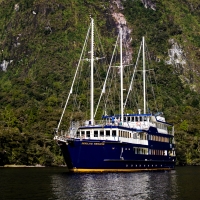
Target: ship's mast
(92,76)
(121,77)
(144,77)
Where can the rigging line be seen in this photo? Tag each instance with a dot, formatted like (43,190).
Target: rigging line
(151,80)
(76,92)
(100,43)
(73,79)
(130,87)
(78,82)
(156,89)
(104,86)
(101,47)
(77,85)
(111,94)
(109,91)
(135,97)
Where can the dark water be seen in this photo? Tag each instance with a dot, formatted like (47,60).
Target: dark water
(55,183)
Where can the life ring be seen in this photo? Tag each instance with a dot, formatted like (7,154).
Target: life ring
(138,123)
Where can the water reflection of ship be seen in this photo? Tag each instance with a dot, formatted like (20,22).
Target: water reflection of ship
(120,142)
(138,186)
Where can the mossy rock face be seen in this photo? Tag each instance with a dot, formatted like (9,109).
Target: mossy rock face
(42,40)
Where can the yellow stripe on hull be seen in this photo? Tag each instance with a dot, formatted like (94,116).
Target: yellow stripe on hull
(115,170)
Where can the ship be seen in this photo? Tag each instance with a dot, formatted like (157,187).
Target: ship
(125,142)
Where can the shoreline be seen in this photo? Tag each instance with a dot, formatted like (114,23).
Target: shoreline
(28,166)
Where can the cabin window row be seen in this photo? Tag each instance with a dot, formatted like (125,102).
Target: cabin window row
(157,152)
(127,119)
(135,119)
(172,153)
(125,134)
(100,133)
(158,138)
(138,150)
(161,126)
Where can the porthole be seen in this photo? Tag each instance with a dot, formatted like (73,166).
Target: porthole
(131,165)
(136,165)
(126,165)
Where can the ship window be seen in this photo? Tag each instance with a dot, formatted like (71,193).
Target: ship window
(128,119)
(136,119)
(114,133)
(78,134)
(95,133)
(141,119)
(88,133)
(133,119)
(107,133)
(145,118)
(149,151)
(101,133)
(82,133)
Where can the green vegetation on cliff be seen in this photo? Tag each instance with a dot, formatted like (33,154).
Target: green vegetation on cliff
(42,41)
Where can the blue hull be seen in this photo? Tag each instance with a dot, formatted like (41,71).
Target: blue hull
(99,156)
